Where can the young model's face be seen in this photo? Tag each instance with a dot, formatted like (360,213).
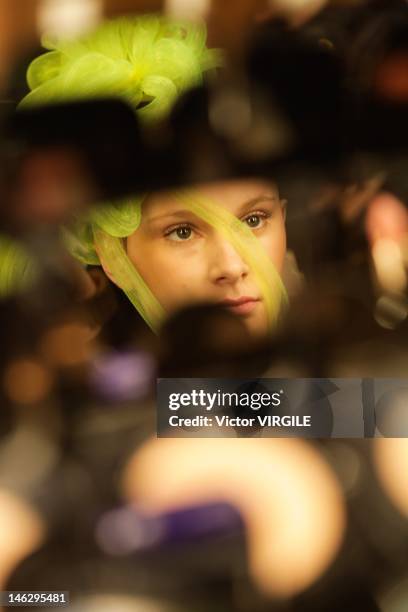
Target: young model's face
(186,261)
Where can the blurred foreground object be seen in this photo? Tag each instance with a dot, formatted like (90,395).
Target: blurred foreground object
(386,226)
(287,495)
(21,532)
(391,463)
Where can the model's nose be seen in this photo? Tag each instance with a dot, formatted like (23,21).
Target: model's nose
(226,265)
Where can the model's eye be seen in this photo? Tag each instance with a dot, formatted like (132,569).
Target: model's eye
(181,233)
(255,220)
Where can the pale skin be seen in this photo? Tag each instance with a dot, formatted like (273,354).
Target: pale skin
(185,261)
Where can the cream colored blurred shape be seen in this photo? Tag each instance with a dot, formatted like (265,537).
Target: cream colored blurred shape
(21,532)
(194,10)
(68,17)
(389,265)
(117,602)
(288,496)
(391,464)
(297,9)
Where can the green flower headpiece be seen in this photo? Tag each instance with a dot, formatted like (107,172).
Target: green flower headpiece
(148,61)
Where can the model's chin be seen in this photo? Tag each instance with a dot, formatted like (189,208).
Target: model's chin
(252,315)
(257,325)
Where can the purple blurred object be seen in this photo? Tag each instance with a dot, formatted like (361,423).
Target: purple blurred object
(124,530)
(123,376)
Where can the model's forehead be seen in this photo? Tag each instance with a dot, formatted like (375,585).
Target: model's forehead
(239,189)
(232,194)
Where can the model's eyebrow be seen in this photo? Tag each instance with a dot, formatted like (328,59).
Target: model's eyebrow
(183,213)
(249,204)
(177,214)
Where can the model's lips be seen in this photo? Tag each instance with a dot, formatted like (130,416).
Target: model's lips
(243,305)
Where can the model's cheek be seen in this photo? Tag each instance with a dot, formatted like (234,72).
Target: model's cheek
(176,278)
(274,243)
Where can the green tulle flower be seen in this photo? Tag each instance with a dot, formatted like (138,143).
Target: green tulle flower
(118,219)
(147,61)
